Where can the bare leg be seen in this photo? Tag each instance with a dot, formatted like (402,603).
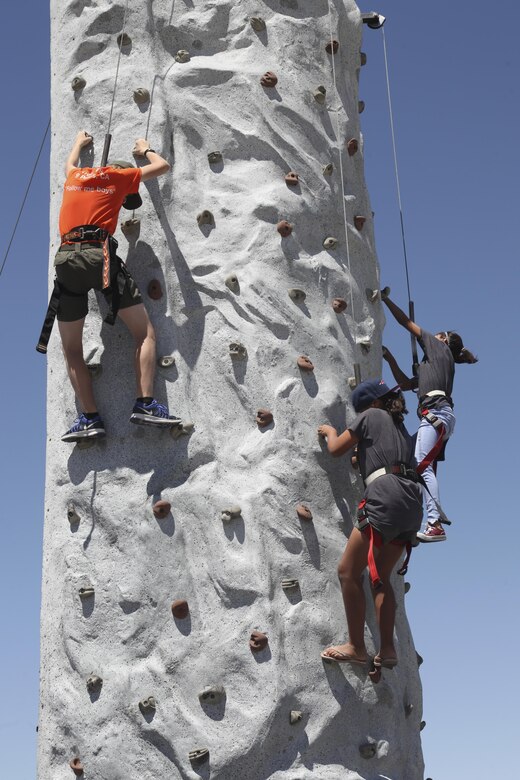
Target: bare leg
(386,558)
(72,340)
(350,570)
(138,323)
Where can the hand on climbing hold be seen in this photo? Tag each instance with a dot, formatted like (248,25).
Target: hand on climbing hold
(141,145)
(326,430)
(83,138)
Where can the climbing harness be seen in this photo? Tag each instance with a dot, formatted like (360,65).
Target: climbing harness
(115,275)
(376,540)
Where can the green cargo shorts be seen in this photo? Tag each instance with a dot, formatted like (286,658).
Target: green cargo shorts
(79,270)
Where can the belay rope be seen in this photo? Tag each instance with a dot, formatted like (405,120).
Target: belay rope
(411,310)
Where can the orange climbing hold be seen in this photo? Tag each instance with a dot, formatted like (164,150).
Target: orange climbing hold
(258,641)
(264,417)
(161,509)
(292,179)
(303,512)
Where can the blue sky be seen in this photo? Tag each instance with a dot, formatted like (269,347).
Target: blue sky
(454,75)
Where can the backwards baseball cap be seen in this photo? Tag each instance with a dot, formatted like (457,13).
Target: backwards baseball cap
(367,392)
(133,200)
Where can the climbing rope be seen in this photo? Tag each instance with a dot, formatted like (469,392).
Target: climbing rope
(411,311)
(108,137)
(25,197)
(340,150)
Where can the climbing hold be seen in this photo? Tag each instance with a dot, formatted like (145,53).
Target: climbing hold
(332,46)
(385,292)
(339,305)
(352,146)
(182,56)
(214,157)
(292,179)
(269,79)
(422,725)
(264,417)
(408,709)
(320,94)
(289,584)
(72,515)
(352,382)
(147,705)
(420,659)
(258,641)
(327,169)
(237,350)
(76,766)
(303,512)
(180,609)
(227,514)
(368,749)
(141,95)
(184,428)
(123,40)
(94,683)
(295,716)
(198,755)
(373,20)
(95,370)
(407,586)
(257,23)
(166,361)
(130,227)
(362,58)
(78,83)
(297,295)
(365,345)
(304,363)
(161,509)
(359,221)
(205,218)
(284,228)
(361,106)
(86,593)
(231,281)
(372,295)
(330,242)
(212,694)
(155,290)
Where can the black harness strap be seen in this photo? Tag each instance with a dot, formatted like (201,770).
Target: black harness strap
(118,277)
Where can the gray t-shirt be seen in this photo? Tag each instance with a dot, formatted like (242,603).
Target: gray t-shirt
(437,370)
(393,503)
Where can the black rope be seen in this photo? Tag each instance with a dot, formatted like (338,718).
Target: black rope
(25,197)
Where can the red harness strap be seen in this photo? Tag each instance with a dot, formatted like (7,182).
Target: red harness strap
(437,447)
(376,540)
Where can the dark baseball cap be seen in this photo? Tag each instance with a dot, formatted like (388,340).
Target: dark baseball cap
(367,392)
(133,200)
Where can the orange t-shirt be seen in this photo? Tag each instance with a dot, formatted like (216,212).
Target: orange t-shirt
(93,196)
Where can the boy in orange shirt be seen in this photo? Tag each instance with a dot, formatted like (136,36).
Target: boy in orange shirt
(86,260)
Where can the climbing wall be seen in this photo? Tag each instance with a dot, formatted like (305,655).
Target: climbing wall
(189,583)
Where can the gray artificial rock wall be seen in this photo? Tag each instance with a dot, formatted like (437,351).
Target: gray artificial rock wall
(100,528)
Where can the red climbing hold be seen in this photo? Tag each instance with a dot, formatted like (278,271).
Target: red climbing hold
(180,609)
(292,179)
(332,46)
(258,641)
(359,221)
(269,79)
(284,228)
(155,290)
(352,146)
(339,305)
(76,766)
(264,417)
(161,509)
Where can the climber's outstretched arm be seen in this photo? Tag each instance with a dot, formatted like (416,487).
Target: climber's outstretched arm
(82,139)
(404,382)
(157,165)
(401,317)
(337,445)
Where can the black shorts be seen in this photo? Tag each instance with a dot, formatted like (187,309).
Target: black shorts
(80,269)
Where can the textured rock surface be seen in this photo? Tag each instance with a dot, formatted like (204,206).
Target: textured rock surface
(230,572)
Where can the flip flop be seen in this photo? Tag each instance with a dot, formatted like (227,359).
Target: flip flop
(344,658)
(385,663)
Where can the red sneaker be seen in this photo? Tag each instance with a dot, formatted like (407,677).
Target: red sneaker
(433,533)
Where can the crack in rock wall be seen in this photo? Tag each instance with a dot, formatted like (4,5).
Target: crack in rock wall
(129,689)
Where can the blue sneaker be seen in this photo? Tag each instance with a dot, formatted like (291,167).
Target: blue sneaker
(83,428)
(153,413)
